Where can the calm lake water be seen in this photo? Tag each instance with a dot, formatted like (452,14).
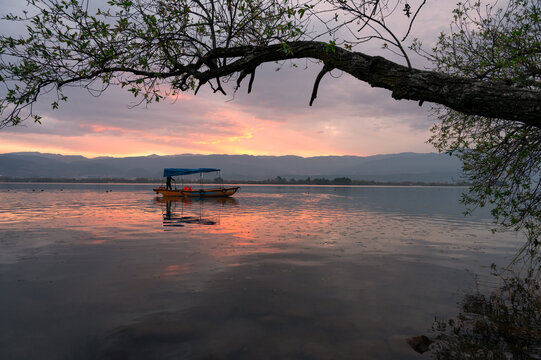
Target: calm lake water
(100,271)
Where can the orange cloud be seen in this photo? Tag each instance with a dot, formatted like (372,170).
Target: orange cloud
(99,128)
(210,126)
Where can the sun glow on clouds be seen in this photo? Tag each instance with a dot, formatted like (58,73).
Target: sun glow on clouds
(102,129)
(213,127)
(210,124)
(342,122)
(348,117)
(226,131)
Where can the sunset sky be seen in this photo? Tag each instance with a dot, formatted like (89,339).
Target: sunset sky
(348,117)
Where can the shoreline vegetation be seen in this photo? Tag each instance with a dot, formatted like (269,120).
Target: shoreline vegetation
(275,181)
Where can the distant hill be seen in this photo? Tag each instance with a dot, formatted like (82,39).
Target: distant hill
(429,167)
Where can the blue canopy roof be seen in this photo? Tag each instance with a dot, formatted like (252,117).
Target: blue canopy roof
(176,172)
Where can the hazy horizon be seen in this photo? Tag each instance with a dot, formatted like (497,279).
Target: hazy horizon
(426,167)
(218,154)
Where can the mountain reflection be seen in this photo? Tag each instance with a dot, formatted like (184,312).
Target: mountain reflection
(505,324)
(178,211)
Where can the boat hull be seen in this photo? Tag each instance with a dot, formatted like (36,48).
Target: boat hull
(202,193)
(165,192)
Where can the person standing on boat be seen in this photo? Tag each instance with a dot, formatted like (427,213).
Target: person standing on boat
(168,183)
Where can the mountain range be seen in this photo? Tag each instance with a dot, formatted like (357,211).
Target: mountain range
(429,167)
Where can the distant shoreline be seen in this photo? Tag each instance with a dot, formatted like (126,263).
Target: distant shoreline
(276,181)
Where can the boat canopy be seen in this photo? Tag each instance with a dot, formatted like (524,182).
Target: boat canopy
(177,172)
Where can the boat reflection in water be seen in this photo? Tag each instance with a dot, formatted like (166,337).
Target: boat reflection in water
(178,211)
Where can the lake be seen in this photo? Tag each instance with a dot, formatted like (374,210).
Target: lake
(110,271)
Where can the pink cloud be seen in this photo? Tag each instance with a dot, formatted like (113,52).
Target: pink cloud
(348,116)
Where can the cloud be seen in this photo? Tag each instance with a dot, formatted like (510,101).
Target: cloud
(348,117)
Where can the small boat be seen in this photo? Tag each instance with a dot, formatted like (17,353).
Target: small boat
(218,192)
(187,191)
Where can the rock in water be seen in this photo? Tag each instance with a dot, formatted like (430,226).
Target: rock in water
(419,343)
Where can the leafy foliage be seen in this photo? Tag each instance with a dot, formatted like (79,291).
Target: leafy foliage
(504,324)
(156,48)
(136,44)
(501,158)
(494,326)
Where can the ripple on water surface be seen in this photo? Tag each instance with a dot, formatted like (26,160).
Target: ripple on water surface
(111,271)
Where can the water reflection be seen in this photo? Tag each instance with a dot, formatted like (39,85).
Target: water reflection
(503,324)
(178,211)
(297,305)
(280,273)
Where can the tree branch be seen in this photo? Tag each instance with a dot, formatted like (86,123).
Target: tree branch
(322,73)
(469,96)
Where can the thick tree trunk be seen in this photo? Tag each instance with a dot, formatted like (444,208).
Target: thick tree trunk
(473,97)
